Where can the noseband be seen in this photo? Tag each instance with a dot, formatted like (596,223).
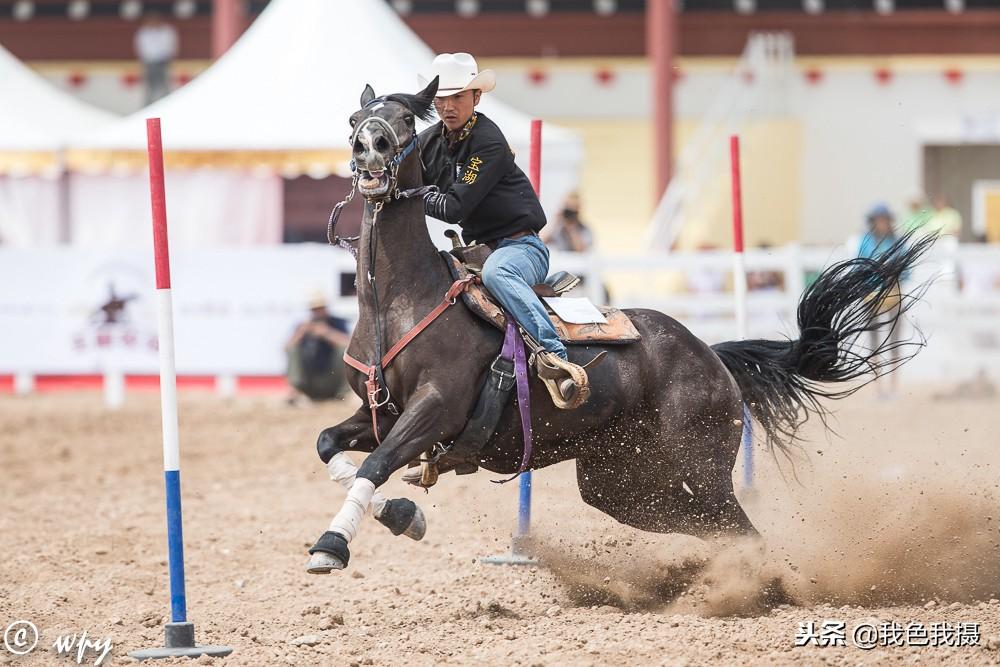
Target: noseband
(392,192)
(400,153)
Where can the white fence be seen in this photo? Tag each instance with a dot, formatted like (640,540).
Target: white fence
(960,315)
(235,308)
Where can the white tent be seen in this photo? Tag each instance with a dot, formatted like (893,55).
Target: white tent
(276,104)
(36,119)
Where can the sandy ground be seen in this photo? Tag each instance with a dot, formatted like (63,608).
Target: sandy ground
(894,520)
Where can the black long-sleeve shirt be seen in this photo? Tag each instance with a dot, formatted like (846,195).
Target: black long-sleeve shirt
(482,189)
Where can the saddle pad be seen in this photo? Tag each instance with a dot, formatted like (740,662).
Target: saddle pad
(618,330)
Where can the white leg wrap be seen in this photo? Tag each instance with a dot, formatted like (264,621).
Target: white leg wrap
(348,519)
(343,471)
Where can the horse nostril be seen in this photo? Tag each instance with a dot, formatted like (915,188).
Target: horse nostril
(381,144)
(358,147)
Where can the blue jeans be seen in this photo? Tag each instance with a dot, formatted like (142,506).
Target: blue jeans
(509,273)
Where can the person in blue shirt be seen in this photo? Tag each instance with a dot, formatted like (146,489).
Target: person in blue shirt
(879,239)
(880,235)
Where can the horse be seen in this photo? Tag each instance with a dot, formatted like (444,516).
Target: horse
(656,443)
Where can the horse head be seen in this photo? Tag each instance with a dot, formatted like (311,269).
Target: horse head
(384,135)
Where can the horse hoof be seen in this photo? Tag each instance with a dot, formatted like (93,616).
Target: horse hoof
(323,563)
(418,525)
(328,554)
(402,517)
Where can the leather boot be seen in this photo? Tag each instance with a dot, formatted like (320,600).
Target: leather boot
(567,383)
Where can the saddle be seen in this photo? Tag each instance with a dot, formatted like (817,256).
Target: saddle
(461,454)
(618,330)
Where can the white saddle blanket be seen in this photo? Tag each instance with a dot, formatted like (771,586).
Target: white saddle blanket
(575,310)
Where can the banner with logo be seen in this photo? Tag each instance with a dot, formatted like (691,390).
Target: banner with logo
(76,311)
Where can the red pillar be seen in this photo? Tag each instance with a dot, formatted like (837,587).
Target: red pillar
(661,42)
(227,24)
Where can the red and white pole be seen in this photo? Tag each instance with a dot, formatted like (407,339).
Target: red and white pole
(179,631)
(740,293)
(739,264)
(168,372)
(535,157)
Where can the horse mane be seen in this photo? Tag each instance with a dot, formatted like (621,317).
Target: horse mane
(421,106)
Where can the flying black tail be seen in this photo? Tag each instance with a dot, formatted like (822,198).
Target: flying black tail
(783,381)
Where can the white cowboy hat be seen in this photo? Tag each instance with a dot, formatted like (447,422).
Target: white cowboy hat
(457,72)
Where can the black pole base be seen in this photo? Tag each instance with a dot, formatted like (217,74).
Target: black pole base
(179,644)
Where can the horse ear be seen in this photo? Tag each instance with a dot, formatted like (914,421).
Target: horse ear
(368,95)
(426,95)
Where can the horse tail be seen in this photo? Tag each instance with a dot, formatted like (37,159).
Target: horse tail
(783,381)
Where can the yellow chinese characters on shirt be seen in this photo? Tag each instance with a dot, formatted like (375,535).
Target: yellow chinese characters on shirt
(472,171)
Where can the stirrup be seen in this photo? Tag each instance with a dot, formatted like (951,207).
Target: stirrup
(423,474)
(554,372)
(428,474)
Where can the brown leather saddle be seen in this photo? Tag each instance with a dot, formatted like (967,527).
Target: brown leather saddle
(461,454)
(618,330)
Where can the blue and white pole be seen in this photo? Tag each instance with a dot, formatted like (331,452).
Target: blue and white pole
(179,632)
(518,549)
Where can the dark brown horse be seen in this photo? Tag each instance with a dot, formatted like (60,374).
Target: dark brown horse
(656,443)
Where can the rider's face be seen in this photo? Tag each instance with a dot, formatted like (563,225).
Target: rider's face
(456,110)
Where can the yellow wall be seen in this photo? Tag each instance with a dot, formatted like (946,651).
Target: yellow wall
(770,157)
(617,177)
(616,184)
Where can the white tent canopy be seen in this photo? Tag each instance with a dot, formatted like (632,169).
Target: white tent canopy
(283,93)
(36,119)
(292,81)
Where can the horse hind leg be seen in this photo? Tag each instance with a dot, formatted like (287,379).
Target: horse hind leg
(673,476)
(653,496)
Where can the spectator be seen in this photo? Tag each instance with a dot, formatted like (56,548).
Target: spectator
(945,220)
(315,351)
(569,234)
(879,238)
(156,47)
(920,213)
(880,235)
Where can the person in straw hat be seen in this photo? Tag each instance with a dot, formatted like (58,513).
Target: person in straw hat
(314,354)
(486,193)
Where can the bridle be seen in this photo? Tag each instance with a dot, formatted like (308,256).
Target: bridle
(376,384)
(392,192)
(397,159)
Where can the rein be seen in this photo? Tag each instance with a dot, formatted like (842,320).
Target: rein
(376,384)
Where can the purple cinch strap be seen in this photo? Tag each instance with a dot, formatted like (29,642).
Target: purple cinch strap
(513,347)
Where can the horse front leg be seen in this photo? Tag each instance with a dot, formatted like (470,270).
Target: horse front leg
(416,429)
(400,515)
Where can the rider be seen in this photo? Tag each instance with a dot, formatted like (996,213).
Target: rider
(487,194)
